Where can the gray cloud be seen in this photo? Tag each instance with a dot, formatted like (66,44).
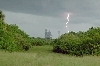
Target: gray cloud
(51,14)
(52,7)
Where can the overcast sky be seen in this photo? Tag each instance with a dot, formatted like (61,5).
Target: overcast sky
(34,16)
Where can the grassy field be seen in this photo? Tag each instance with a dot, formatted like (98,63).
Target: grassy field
(43,56)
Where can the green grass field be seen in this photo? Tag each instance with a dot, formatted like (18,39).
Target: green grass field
(43,56)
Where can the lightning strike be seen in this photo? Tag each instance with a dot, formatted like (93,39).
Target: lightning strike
(67,22)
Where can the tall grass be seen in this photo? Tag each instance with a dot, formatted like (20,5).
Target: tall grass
(43,56)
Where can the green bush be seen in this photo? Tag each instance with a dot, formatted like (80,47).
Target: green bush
(12,38)
(41,41)
(80,43)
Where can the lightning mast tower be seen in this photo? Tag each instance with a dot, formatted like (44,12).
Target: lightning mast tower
(58,33)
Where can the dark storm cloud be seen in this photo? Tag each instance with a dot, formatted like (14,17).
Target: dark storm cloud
(81,9)
(37,7)
(50,7)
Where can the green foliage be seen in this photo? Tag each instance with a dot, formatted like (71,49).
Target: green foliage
(12,38)
(37,42)
(41,41)
(80,43)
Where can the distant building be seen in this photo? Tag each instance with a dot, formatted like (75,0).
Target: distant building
(48,34)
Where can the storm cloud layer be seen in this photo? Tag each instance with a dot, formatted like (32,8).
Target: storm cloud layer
(34,16)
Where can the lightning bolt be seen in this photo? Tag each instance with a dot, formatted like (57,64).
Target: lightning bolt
(67,22)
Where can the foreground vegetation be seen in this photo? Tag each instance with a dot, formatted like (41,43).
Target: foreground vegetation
(80,43)
(43,56)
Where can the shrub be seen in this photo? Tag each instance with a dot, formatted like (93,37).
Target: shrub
(80,43)
(12,38)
